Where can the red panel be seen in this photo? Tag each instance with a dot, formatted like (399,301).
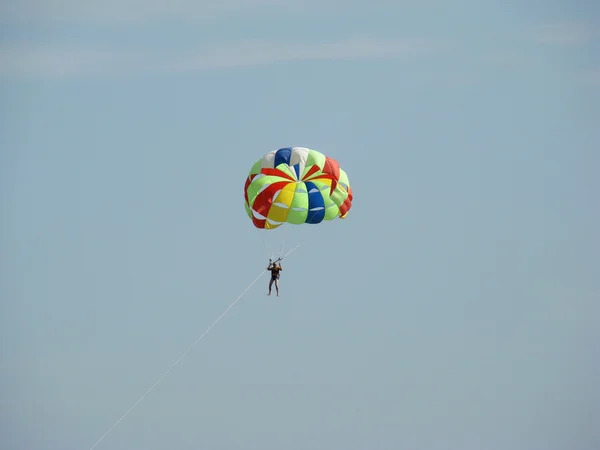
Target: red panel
(347,203)
(277,173)
(263,201)
(314,169)
(332,167)
(248,181)
(258,223)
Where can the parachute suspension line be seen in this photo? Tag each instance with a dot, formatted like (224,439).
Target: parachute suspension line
(268,250)
(282,248)
(274,241)
(184,354)
(310,233)
(284,239)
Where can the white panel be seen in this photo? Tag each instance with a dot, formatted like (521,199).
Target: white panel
(268,161)
(299,156)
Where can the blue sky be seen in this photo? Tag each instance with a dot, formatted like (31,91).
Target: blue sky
(455,308)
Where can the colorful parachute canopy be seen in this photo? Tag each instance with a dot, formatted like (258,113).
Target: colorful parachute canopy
(296,185)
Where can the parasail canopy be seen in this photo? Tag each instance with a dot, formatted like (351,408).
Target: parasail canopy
(296,185)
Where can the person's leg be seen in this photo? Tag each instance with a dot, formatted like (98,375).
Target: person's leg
(270,286)
(277,286)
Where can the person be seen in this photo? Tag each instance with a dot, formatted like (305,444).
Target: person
(275,269)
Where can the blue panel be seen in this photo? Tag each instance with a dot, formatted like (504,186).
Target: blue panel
(282,156)
(315,200)
(297,169)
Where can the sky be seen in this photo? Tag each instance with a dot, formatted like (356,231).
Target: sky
(455,308)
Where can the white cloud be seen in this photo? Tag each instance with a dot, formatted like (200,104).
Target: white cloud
(56,61)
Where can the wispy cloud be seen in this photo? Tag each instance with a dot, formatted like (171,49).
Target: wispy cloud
(563,34)
(591,77)
(108,47)
(131,11)
(19,61)
(63,61)
(501,59)
(250,53)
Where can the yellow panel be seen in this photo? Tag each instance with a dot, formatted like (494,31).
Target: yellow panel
(326,181)
(278,214)
(271,226)
(286,195)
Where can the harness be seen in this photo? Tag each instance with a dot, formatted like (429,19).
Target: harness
(275,272)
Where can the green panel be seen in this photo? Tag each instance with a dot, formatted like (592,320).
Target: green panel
(248,211)
(314,158)
(300,201)
(339,195)
(286,169)
(256,167)
(343,178)
(331,212)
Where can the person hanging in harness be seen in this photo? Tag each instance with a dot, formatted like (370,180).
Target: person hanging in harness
(275,270)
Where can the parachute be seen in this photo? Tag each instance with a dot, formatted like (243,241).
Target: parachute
(296,185)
